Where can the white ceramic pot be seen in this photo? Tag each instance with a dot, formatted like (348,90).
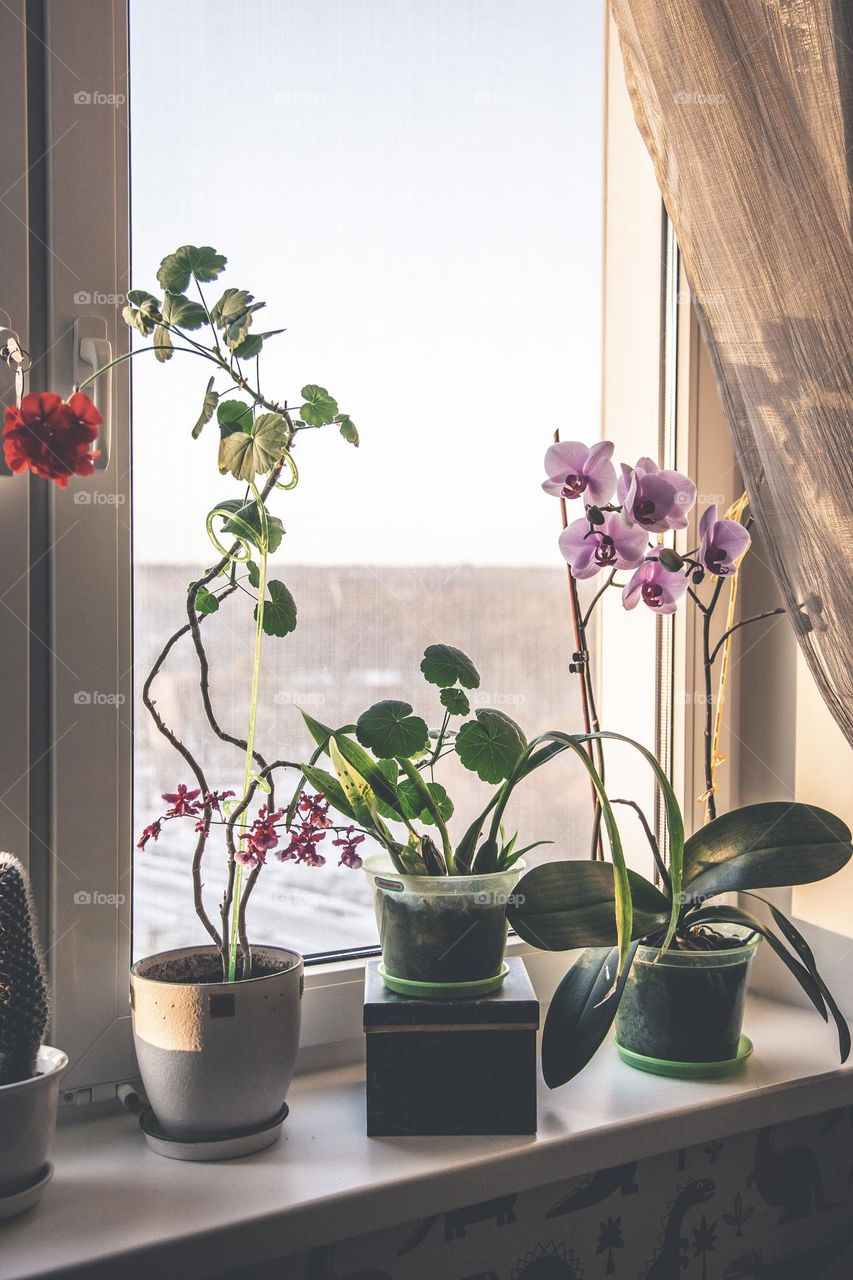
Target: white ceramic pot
(27,1122)
(216,1058)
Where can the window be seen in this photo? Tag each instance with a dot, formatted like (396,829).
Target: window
(415,189)
(420,204)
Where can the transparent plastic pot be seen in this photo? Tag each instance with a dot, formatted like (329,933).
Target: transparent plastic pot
(688,1005)
(442,936)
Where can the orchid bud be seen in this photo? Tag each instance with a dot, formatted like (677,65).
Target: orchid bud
(670,560)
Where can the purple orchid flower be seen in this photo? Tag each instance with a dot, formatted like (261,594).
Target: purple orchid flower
(611,545)
(658,500)
(659,588)
(574,469)
(722,543)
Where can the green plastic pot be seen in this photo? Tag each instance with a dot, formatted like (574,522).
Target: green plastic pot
(687,1006)
(442,936)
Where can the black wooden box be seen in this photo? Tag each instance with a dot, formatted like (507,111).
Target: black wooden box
(451,1066)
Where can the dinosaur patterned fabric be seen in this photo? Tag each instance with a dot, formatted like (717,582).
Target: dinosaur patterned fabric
(768,1205)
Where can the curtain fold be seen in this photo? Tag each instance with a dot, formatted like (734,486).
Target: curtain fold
(746,107)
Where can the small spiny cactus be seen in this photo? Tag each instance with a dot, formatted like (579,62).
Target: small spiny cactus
(23,995)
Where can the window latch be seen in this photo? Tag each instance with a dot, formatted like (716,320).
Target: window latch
(16,359)
(93,350)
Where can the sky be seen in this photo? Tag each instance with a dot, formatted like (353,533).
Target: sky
(414,188)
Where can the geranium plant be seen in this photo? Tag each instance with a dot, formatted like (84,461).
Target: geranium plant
(257,435)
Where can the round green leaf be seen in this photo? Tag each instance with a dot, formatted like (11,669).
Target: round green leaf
(247,454)
(491,745)
(249,347)
(416,810)
(443,665)
(246,522)
(455,701)
(389,730)
(233,315)
(205,602)
(183,312)
(319,407)
(279,610)
(347,428)
(177,268)
(142,311)
(234,415)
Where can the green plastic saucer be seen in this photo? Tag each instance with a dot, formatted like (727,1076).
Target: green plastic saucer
(444,990)
(686,1070)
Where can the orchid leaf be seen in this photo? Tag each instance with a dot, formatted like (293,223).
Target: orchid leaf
(390,730)
(674,824)
(445,666)
(199,261)
(725,914)
(563,905)
(623,907)
(793,936)
(372,774)
(321,733)
(326,785)
(582,1011)
(509,856)
(356,789)
(763,846)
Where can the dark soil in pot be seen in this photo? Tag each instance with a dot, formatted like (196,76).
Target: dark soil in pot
(687,1008)
(187,969)
(442,940)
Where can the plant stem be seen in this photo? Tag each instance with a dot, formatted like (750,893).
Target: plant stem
(707,663)
(587,704)
(250,738)
(758,617)
(137,351)
(663,870)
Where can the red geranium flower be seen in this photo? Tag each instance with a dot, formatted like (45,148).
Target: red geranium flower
(53,439)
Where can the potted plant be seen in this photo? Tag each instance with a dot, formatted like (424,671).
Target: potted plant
(29,1070)
(672,968)
(440,904)
(678,996)
(208,1018)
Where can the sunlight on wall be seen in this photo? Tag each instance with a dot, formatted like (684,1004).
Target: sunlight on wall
(824,761)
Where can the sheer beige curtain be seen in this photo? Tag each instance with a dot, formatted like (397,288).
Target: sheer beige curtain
(747,111)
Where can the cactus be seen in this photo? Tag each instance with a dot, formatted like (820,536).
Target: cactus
(23,995)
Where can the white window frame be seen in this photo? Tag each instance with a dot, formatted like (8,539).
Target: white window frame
(91,608)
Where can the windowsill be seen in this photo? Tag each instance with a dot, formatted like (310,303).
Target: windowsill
(114,1207)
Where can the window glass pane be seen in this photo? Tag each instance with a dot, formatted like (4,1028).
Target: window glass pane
(414,187)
